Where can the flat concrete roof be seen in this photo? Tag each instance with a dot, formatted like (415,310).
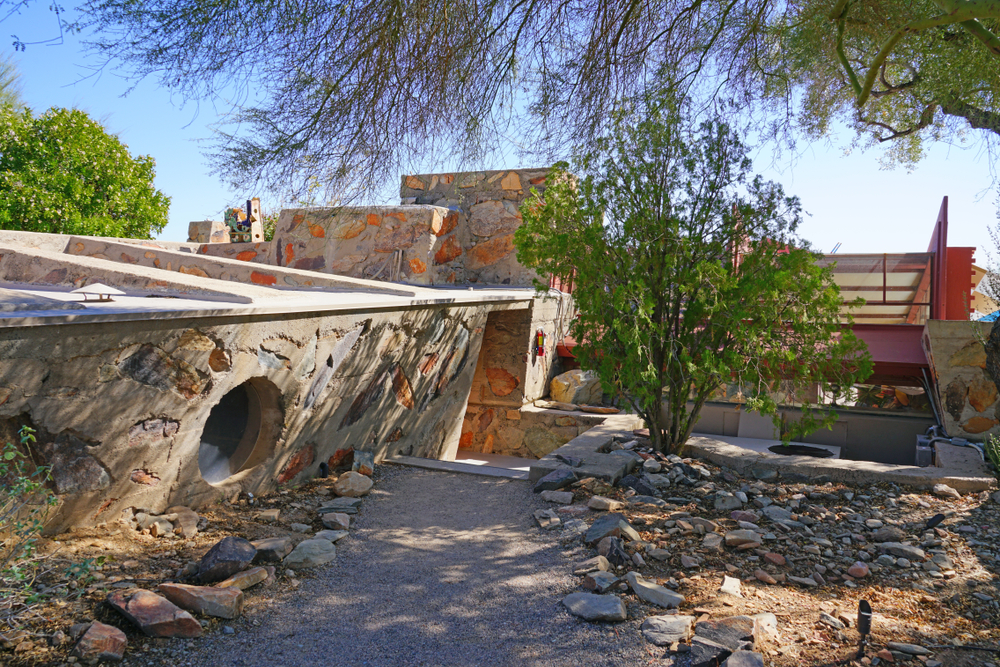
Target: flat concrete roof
(52,306)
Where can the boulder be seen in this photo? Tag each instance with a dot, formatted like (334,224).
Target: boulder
(555,480)
(592,607)
(576,386)
(311,553)
(154,615)
(100,643)
(229,556)
(352,484)
(665,630)
(336,521)
(225,602)
(653,593)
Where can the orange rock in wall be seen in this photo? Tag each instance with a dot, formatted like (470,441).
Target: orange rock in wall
(501,382)
(979,424)
(192,271)
(414,183)
(349,229)
(374,220)
(448,251)
(442,226)
(417,266)
(318,231)
(465,442)
(246,255)
(262,278)
(490,252)
(303,458)
(982,393)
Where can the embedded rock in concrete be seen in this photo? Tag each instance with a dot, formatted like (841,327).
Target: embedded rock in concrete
(735,632)
(364,463)
(954,398)
(555,480)
(223,602)
(541,441)
(301,460)
(245,579)
(982,393)
(973,354)
(154,615)
(559,497)
(368,397)
(100,643)
(271,549)
(653,593)
(336,521)
(665,630)
(149,365)
(229,556)
(352,484)
(72,469)
(577,386)
(591,607)
(311,553)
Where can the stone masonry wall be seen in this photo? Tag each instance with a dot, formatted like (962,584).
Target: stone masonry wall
(477,241)
(121,406)
(529,433)
(968,398)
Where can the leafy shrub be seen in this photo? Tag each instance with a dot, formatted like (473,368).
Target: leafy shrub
(992,450)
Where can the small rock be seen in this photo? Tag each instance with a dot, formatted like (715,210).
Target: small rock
(725,502)
(100,642)
(228,630)
(653,593)
(763,576)
(827,619)
(738,538)
(154,615)
(555,480)
(592,607)
(744,659)
(804,581)
(226,602)
(352,484)
(859,570)
(364,463)
(332,535)
(712,542)
(665,630)
(909,649)
(658,554)
(945,491)
(731,586)
(547,519)
(599,582)
(605,504)
(888,534)
(651,466)
(271,549)
(597,563)
(268,515)
(229,556)
(707,653)
(689,562)
(903,550)
(734,632)
(560,497)
(243,580)
(336,521)
(311,553)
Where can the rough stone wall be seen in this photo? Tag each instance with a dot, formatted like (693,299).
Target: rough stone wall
(208,231)
(529,433)
(395,243)
(966,395)
(121,406)
(477,241)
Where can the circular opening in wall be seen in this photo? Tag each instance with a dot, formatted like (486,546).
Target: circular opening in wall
(241,430)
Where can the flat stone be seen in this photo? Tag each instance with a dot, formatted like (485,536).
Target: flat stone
(592,607)
(658,554)
(352,484)
(300,527)
(271,549)
(185,521)
(945,491)
(244,580)
(229,556)
(99,643)
(332,535)
(827,619)
(727,502)
(707,653)
(599,582)
(901,550)
(608,525)
(738,538)
(547,519)
(734,632)
(311,553)
(555,480)
(336,521)
(731,586)
(665,630)
(576,386)
(268,515)
(225,602)
(342,504)
(776,513)
(613,549)
(154,615)
(689,562)
(559,497)
(592,565)
(804,581)
(653,593)
(601,503)
(888,534)
(712,542)
(909,649)
(744,659)
(764,577)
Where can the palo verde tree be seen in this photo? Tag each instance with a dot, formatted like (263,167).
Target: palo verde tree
(688,275)
(61,172)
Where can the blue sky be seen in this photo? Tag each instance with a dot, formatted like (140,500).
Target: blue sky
(849,198)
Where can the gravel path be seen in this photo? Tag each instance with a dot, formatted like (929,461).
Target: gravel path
(439,569)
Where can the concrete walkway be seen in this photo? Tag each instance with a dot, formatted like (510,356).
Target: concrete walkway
(440,569)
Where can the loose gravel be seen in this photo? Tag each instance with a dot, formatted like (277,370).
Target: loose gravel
(440,569)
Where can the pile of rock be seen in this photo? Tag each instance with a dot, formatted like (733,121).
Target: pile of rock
(176,521)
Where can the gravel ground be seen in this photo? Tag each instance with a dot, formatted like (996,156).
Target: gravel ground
(439,569)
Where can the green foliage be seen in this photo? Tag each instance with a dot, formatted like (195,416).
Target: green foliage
(25,503)
(688,275)
(61,172)
(991,448)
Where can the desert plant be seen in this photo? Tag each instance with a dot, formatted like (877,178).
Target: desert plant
(25,503)
(991,449)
